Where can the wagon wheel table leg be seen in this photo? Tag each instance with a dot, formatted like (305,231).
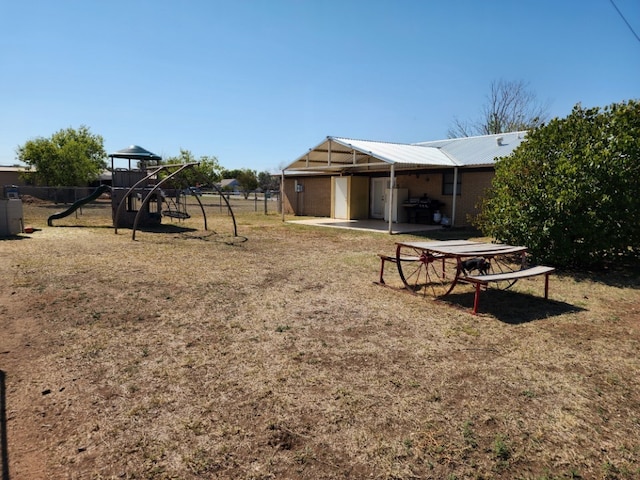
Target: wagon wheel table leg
(506,264)
(424,272)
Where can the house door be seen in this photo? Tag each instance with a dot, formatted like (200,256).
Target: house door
(341,198)
(378,188)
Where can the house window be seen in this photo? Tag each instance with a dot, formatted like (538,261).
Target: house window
(447,184)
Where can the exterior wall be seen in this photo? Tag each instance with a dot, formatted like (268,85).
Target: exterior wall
(427,183)
(474,183)
(359,193)
(315,199)
(474,187)
(10,176)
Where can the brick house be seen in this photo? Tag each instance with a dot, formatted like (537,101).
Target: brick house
(429,182)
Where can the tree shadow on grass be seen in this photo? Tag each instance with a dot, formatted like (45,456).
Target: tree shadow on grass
(510,306)
(162,228)
(450,234)
(623,276)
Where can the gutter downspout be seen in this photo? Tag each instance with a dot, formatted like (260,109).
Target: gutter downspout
(392,183)
(455,194)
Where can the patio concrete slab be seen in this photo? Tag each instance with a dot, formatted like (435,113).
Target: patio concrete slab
(367,225)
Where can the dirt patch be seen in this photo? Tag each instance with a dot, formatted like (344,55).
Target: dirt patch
(191,354)
(31,200)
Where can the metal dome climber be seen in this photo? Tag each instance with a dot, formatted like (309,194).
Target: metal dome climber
(139,190)
(151,192)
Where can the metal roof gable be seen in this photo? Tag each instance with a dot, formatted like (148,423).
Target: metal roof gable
(399,152)
(338,153)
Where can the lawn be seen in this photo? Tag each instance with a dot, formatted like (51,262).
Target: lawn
(274,355)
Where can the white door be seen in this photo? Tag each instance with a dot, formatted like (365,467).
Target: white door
(340,198)
(378,189)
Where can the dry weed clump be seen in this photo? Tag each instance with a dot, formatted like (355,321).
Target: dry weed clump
(191,354)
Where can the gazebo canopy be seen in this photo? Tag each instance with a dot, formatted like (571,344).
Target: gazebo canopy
(134,152)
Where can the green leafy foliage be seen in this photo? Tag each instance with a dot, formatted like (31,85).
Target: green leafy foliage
(206,173)
(266,181)
(247,179)
(69,158)
(571,192)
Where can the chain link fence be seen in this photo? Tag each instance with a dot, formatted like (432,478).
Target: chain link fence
(256,202)
(267,203)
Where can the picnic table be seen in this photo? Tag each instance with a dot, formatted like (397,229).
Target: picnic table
(435,268)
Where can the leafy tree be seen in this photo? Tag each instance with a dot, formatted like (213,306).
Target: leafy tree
(69,158)
(570,192)
(229,174)
(207,173)
(247,179)
(267,182)
(510,107)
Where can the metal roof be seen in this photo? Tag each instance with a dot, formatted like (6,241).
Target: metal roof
(481,150)
(396,152)
(336,153)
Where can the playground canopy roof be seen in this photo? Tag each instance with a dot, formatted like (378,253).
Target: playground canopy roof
(134,152)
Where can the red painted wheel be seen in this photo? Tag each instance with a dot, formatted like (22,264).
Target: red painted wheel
(424,273)
(505,264)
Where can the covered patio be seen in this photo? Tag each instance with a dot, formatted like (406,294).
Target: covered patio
(358,160)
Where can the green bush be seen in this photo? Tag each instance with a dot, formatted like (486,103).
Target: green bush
(571,192)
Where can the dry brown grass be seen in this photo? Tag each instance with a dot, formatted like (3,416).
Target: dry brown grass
(191,355)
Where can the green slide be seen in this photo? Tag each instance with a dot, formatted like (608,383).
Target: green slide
(98,191)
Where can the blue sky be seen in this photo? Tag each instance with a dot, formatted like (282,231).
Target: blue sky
(257,83)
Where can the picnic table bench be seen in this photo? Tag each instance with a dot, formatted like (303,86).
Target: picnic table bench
(480,280)
(435,268)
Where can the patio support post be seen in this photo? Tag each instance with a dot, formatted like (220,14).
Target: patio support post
(455,194)
(282,193)
(392,183)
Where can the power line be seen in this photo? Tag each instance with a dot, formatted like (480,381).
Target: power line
(625,20)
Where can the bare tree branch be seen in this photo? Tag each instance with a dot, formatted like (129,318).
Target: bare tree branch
(511,106)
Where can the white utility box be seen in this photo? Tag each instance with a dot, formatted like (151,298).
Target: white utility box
(11,219)
(398,212)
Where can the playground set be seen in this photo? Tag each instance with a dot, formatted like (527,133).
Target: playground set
(137,199)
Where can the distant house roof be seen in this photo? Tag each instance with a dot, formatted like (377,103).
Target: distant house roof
(228,183)
(105,176)
(337,154)
(16,168)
